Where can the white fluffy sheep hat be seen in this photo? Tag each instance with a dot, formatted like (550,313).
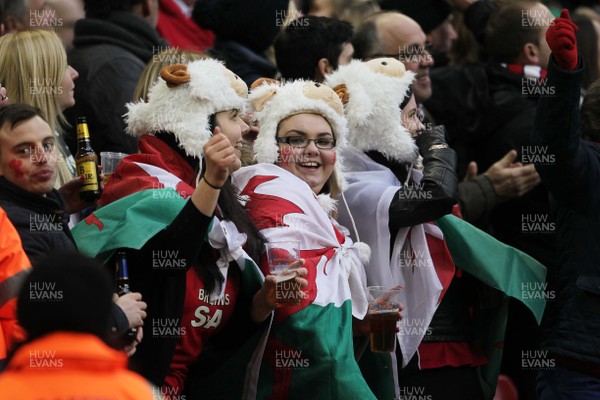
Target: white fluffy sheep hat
(273,102)
(374,91)
(183,101)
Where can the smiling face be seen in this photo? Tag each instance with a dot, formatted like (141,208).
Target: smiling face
(400,36)
(233,127)
(28,155)
(311,164)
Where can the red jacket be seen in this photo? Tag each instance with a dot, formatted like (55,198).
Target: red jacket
(68,365)
(179,30)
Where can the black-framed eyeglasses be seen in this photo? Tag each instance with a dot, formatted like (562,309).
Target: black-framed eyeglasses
(301,142)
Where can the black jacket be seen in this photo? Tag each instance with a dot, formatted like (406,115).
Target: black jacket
(110,56)
(488,111)
(242,60)
(43,225)
(41,221)
(574,317)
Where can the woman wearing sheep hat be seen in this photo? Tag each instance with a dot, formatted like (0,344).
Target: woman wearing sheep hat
(189,244)
(309,352)
(386,186)
(399,181)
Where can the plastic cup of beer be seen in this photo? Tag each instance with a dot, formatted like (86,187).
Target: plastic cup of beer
(281,256)
(384,310)
(109,161)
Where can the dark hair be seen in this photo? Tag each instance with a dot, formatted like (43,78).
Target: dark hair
(505,34)
(13,8)
(306,40)
(249,22)
(587,45)
(103,8)
(231,209)
(66,292)
(590,113)
(429,14)
(366,38)
(409,94)
(15,113)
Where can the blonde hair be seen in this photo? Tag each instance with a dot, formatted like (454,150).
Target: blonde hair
(170,56)
(32,66)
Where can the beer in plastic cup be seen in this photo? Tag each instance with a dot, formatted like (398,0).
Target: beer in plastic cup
(281,255)
(384,309)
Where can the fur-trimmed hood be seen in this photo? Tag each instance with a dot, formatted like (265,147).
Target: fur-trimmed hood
(184,104)
(374,91)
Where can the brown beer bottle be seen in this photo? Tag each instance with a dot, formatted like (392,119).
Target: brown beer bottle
(87,163)
(122,282)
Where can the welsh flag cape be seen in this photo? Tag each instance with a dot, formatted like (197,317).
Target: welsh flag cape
(144,197)
(423,259)
(309,351)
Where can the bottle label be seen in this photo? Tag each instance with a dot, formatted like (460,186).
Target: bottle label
(90,178)
(82,132)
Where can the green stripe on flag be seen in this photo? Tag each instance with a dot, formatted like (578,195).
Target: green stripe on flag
(494,263)
(128,222)
(503,268)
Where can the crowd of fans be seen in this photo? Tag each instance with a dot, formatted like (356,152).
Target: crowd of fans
(445,147)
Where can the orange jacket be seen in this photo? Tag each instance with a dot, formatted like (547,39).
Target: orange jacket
(69,365)
(14,267)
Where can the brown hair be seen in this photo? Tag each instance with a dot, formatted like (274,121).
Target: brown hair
(505,34)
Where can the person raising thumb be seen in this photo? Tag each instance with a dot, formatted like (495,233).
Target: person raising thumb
(560,36)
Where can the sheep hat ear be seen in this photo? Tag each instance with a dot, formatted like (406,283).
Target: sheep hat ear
(273,102)
(182,101)
(374,91)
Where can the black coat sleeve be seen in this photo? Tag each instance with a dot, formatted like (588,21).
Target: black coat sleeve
(573,177)
(182,240)
(432,198)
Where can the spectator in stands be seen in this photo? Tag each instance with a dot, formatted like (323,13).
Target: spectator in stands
(28,159)
(292,189)
(112,45)
(571,339)
(66,13)
(175,24)
(64,307)
(33,66)
(245,30)
(391,33)
(311,47)
(207,285)
(14,268)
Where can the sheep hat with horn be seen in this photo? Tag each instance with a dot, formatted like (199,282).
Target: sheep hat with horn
(272,102)
(374,91)
(183,101)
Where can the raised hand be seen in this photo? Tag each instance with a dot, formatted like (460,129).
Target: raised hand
(512,179)
(220,159)
(562,41)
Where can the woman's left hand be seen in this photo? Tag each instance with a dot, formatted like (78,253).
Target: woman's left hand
(264,300)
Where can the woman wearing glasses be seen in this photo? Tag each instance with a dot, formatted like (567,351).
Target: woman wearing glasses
(289,196)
